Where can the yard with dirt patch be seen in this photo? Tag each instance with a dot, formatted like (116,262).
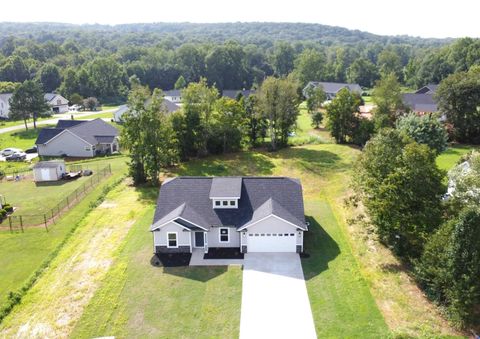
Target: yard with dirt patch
(356,287)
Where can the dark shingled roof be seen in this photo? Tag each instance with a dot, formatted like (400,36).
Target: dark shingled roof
(226,187)
(89,130)
(428,89)
(189,198)
(420,102)
(46,134)
(68,123)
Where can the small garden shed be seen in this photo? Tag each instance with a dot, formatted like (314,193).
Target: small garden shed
(48,170)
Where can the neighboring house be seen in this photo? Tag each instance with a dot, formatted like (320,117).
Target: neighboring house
(5,105)
(253,214)
(48,170)
(57,103)
(331,88)
(234,93)
(169,106)
(422,101)
(174,95)
(428,89)
(78,138)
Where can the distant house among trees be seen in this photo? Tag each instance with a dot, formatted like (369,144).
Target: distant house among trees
(57,103)
(331,88)
(169,106)
(422,101)
(174,95)
(5,105)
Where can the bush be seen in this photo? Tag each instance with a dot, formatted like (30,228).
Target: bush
(363,131)
(426,129)
(3,213)
(8,208)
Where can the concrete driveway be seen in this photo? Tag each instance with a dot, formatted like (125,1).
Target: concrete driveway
(275,302)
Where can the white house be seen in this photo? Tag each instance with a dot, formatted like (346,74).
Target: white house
(252,214)
(57,103)
(48,170)
(174,95)
(5,105)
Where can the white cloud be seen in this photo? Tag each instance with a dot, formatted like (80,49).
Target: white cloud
(413,17)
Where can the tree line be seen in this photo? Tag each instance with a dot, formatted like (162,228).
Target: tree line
(90,61)
(206,124)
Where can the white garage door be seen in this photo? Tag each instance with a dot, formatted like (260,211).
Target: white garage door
(271,242)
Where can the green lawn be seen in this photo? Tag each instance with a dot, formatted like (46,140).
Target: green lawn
(21,254)
(452,155)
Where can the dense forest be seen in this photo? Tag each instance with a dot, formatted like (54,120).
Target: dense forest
(97,60)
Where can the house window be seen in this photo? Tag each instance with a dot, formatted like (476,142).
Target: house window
(225,203)
(172,240)
(224,235)
(217,202)
(232,202)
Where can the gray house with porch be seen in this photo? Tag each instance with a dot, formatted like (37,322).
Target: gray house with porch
(78,138)
(253,214)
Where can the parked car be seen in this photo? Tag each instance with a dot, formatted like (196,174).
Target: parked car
(10,151)
(17,156)
(32,149)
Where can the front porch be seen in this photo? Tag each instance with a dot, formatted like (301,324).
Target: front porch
(198,260)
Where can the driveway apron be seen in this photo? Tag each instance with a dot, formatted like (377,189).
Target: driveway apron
(275,302)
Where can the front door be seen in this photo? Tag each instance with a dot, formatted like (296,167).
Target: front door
(199,239)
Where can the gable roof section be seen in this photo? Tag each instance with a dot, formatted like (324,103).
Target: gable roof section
(193,193)
(172,93)
(420,102)
(226,187)
(47,134)
(185,216)
(428,89)
(68,123)
(92,131)
(272,207)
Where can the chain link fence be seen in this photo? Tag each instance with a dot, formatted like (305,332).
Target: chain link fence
(16,222)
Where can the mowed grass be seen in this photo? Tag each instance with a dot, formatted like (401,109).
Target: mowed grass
(21,254)
(138,300)
(450,157)
(30,198)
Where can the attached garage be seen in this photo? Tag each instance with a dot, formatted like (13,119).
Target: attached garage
(271,242)
(272,234)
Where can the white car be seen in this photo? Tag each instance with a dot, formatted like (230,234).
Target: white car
(10,151)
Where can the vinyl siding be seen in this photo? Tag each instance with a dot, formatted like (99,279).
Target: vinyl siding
(68,144)
(213,237)
(160,237)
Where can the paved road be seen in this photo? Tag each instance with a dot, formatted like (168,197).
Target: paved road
(275,302)
(55,119)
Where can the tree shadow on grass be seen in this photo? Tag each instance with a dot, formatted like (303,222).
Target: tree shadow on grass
(147,194)
(313,160)
(321,249)
(241,164)
(30,134)
(180,268)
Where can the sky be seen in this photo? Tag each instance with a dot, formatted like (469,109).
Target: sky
(427,18)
